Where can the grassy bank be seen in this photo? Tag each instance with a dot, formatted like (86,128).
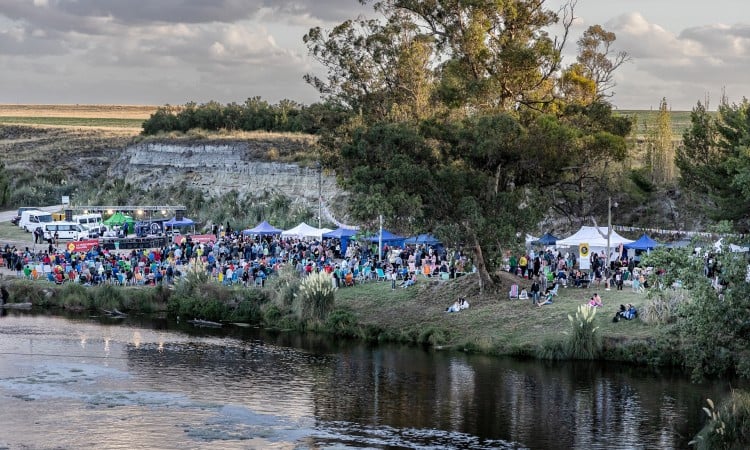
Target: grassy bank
(493,324)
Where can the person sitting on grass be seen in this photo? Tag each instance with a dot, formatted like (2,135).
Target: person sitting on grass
(411,281)
(455,307)
(547,300)
(462,303)
(595,300)
(628,312)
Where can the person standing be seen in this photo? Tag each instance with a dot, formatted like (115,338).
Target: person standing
(523,263)
(535,288)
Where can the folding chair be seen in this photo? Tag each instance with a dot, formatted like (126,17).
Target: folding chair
(381,274)
(513,293)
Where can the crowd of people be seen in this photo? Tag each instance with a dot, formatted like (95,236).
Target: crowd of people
(234,258)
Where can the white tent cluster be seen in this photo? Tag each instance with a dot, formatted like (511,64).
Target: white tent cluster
(303,231)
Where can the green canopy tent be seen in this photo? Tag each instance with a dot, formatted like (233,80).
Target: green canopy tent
(118,219)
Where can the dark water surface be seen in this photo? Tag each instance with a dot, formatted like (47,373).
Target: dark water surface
(91,382)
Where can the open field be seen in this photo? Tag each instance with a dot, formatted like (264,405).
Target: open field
(117,116)
(646,121)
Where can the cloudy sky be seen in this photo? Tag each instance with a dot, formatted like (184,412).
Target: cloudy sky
(174,51)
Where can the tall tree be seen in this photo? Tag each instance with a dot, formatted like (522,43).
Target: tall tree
(714,161)
(599,60)
(660,147)
(449,132)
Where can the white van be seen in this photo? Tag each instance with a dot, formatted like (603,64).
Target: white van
(34,218)
(64,230)
(91,220)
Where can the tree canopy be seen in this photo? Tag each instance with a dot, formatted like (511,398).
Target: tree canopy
(714,160)
(459,124)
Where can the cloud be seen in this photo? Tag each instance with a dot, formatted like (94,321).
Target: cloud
(683,67)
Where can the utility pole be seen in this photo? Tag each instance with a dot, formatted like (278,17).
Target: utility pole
(609,226)
(320,193)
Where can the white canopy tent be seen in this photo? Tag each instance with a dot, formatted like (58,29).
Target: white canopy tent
(596,240)
(304,230)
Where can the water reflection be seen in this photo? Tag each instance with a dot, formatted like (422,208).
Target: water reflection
(244,388)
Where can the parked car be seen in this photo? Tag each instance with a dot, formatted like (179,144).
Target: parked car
(17,219)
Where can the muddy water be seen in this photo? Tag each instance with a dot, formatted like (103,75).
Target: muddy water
(92,382)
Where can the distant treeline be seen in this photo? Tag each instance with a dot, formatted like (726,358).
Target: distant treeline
(253,115)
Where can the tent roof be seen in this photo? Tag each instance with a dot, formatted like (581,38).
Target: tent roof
(119,218)
(547,239)
(387,237)
(263,228)
(173,222)
(426,239)
(643,243)
(591,236)
(340,233)
(304,230)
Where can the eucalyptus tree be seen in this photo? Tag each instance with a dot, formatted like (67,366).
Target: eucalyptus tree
(456,117)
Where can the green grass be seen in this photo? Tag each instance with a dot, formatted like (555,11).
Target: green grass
(491,324)
(13,232)
(647,121)
(74,121)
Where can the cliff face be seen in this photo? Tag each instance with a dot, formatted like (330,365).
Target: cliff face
(215,168)
(253,165)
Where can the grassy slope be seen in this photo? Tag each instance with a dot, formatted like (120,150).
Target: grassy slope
(491,323)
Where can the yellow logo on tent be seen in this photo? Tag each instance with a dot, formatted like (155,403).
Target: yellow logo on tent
(71,247)
(583,250)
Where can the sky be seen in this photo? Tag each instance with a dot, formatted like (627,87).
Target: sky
(154,52)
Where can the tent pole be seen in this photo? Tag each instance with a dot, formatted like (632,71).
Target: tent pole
(380,240)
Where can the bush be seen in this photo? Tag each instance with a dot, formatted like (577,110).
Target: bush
(728,427)
(583,340)
(662,306)
(342,322)
(74,296)
(315,299)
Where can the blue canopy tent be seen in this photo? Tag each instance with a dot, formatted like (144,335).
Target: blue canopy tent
(547,239)
(426,239)
(343,234)
(173,222)
(262,229)
(643,243)
(386,237)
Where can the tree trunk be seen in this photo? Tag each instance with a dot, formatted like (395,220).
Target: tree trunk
(485,281)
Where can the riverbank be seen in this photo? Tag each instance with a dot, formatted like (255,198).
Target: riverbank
(493,324)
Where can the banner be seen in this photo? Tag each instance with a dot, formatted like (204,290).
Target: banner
(584,253)
(82,246)
(196,238)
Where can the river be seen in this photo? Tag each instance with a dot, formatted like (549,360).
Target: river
(96,382)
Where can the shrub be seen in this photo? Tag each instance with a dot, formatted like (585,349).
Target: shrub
(433,336)
(108,297)
(74,296)
(342,322)
(662,306)
(315,299)
(27,291)
(583,340)
(728,427)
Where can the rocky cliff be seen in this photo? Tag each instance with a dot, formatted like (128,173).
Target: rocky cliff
(256,164)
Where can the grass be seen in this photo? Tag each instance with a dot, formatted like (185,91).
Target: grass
(14,233)
(647,120)
(73,121)
(97,116)
(492,324)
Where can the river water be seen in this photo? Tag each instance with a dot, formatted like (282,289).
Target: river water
(95,382)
